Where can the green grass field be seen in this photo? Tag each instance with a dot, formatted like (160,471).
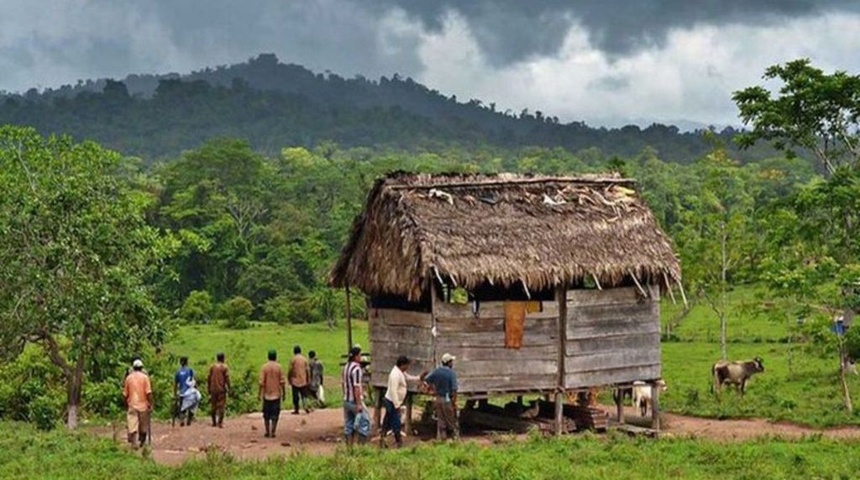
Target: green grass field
(247,349)
(27,454)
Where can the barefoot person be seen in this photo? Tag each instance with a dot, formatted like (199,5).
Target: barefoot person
(137,392)
(298,375)
(218,386)
(272,391)
(394,397)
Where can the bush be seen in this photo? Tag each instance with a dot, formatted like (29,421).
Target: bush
(236,313)
(197,307)
(32,389)
(286,310)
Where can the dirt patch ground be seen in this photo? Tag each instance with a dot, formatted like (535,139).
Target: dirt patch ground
(319,433)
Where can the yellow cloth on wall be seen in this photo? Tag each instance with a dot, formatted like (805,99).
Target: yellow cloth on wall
(533,307)
(515,316)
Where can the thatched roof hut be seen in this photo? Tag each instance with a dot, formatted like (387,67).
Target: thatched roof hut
(504,230)
(563,276)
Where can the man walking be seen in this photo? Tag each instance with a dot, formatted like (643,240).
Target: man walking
(272,391)
(137,392)
(353,396)
(218,386)
(316,381)
(299,374)
(186,400)
(394,398)
(443,380)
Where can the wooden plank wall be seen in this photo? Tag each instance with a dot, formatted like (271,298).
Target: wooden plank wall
(613,336)
(483,363)
(399,332)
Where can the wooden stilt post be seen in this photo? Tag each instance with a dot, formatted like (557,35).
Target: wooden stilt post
(348,322)
(655,407)
(407,423)
(561,298)
(377,411)
(619,405)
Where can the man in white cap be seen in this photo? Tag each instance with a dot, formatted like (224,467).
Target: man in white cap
(443,381)
(137,392)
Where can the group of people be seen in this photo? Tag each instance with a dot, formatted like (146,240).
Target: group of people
(137,391)
(305,377)
(441,383)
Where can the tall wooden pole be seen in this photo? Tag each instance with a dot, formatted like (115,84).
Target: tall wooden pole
(348,322)
(561,297)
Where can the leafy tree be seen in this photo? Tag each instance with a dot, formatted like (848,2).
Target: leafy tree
(814,111)
(716,224)
(236,312)
(75,257)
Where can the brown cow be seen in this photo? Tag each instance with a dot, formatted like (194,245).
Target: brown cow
(736,373)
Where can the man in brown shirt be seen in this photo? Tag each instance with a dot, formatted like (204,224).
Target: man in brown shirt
(272,392)
(299,374)
(219,385)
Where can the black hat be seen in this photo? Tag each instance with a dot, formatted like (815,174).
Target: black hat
(354,351)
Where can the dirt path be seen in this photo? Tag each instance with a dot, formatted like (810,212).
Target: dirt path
(319,432)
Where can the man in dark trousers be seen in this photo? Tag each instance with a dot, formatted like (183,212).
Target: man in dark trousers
(299,374)
(219,386)
(273,390)
(443,381)
(395,395)
(182,382)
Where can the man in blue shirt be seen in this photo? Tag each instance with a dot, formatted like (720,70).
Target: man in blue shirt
(443,381)
(182,382)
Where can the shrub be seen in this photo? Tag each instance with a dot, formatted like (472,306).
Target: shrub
(197,307)
(32,389)
(286,310)
(236,313)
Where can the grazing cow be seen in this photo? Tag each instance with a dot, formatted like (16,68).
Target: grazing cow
(642,395)
(736,373)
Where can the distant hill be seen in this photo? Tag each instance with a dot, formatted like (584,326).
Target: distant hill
(275,105)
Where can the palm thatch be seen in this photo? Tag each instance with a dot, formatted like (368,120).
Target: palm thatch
(502,230)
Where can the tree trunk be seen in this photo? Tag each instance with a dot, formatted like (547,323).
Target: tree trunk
(846,393)
(74,389)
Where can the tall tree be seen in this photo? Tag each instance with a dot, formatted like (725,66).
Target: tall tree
(814,111)
(716,224)
(75,255)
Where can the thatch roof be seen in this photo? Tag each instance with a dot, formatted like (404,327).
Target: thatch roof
(471,230)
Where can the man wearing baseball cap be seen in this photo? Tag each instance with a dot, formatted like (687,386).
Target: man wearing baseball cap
(443,381)
(137,392)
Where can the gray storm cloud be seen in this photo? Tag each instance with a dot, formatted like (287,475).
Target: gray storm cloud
(512,30)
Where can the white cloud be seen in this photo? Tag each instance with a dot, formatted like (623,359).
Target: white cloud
(691,77)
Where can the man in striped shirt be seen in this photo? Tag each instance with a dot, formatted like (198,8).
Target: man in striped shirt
(353,397)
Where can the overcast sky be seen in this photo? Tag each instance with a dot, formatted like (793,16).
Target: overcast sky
(606,62)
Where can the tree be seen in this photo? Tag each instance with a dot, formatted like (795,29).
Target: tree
(814,111)
(716,224)
(75,256)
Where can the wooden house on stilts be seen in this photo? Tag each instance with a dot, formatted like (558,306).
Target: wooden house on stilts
(545,285)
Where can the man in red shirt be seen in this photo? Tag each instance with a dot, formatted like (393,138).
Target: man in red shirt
(137,392)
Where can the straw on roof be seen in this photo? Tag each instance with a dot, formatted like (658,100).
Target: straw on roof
(504,229)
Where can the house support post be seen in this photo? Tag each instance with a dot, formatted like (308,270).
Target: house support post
(349,343)
(655,407)
(561,298)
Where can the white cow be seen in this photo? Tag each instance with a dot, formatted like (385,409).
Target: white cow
(642,395)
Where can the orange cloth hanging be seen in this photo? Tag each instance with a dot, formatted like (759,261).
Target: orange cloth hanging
(515,316)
